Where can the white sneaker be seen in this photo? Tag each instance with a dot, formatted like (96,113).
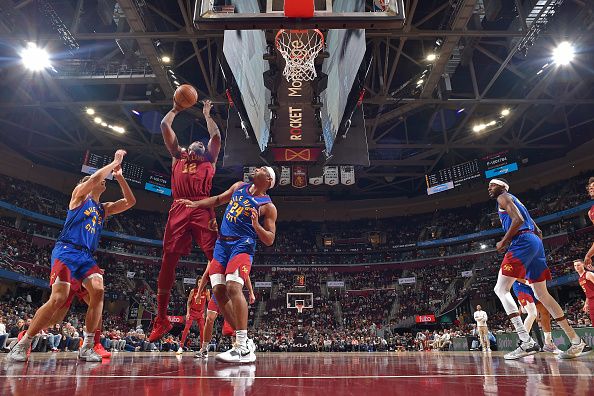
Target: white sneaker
(180,351)
(251,346)
(488,349)
(524,349)
(552,348)
(201,354)
(18,353)
(89,355)
(574,351)
(237,354)
(484,350)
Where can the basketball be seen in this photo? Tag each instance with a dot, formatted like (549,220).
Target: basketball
(185,96)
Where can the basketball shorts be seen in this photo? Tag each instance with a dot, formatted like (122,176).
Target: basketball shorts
(526,259)
(196,315)
(232,261)
(76,290)
(185,224)
(71,264)
(213,306)
(525,298)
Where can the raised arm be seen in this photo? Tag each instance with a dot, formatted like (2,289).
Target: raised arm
(169,136)
(505,202)
(212,202)
(267,232)
(588,258)
(214,144)
(82,190)
(128,199)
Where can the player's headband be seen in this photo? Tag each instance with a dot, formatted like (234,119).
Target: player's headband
(500,183)
(272,175)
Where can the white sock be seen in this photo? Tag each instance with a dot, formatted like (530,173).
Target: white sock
(205,345)
(241,337)
(89,340)
(520,329)
(26,340)
(548,337)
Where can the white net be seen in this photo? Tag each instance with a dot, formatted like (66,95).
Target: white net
(300,49)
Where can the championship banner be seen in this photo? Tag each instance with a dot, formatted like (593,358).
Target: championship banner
(316,181)
(130,274)
(347,175)
(406,281)
(263,284)
(176,319)
(285,177)
(335,283)
(189,281)
(425,318)
(331,175)
(299,176)
(467,274)
(247,172)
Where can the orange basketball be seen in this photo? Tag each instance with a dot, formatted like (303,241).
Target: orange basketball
(185,96)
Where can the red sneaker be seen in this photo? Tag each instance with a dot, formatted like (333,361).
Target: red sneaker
(160,328)
(101,351)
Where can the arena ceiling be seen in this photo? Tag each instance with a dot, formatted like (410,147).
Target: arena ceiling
(494,57)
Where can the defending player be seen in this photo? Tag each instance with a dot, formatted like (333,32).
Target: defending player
(586,281)
(235,248)
(192,171)
(72,257)
(588,258)
(533,309)
(194,312)
(525,259)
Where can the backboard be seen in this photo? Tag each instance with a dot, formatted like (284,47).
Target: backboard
(269,14)
(299,301)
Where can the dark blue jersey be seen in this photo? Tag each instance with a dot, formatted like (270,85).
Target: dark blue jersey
(83,225)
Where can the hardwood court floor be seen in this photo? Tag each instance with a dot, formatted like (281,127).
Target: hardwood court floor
(414,373)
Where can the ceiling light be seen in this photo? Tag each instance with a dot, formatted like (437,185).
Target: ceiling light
(505,112)
(564,53)
(90,111)
(104,124)
(420,82)
(431,57)
(34,58)
(478,127)
(483,246)
(165,59)
(491,123)
(98,120)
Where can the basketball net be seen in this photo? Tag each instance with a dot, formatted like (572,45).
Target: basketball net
(299,48)
(299,307)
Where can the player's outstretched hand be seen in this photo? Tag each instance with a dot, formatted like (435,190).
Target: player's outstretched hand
(207,107)
(588,263)
(501,247)
(252,298)
(190,204)
(177,108)
(119,157)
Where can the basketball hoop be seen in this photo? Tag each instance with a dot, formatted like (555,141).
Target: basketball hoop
(299,307)
(299,48)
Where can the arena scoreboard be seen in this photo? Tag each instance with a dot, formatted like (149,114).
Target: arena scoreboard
(135,174)
(490,166)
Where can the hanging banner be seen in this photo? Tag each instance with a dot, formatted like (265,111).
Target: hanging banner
(347,175)
(331,175)
(467,274)
(316,181)
(130,274)
(247,172)
(299,176)
(189,281)
(285,177)
(405,281)
(335,283)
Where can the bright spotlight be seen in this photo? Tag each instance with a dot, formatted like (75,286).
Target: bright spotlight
(34,58)
(431,57)
(98,120)
(420,82)
(505,112)
(165,59)
(564,53)
(104,124)
(491,123)
(483,246)
(478,127)
(90,111)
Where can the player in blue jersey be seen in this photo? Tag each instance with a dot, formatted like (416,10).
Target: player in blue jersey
(72,258)
(235,248)
(525,259)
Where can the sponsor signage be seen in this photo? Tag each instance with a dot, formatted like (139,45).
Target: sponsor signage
(425,318)
(335,283)
(405,281)
(263,284)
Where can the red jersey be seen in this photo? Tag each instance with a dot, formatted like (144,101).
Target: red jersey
(198,302)
(191,177)
(587,286)
(591,214)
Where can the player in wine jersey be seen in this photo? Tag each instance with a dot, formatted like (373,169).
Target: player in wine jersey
(586,281)
(72,257)
(195,309)
(525,259)
(534,308)
(212,313)
(192,171)
(235,249)
(588,258)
